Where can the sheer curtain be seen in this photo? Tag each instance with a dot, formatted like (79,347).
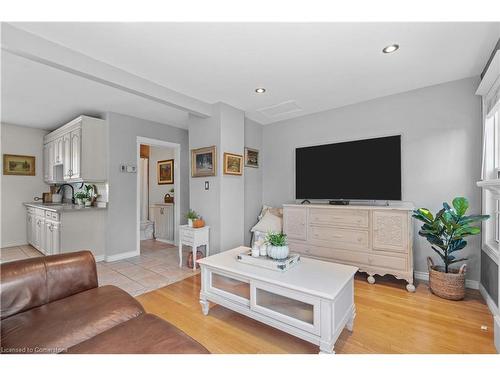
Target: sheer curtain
(143,171)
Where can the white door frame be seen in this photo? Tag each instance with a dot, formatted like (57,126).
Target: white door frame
(177,177)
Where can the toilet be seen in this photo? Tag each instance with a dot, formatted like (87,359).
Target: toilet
(147,230)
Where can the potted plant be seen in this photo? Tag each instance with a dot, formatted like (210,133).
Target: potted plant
(277,245)
(90,195)
(81,197)
(446,232)
(191,215)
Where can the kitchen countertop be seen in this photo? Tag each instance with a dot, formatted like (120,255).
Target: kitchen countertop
(61,207)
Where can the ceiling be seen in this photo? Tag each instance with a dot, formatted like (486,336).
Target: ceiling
(310,66)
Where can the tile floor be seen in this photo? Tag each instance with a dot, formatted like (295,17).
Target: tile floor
(156,267)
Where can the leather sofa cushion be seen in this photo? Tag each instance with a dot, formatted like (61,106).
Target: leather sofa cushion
(58,325)
(34,282)
(144,334)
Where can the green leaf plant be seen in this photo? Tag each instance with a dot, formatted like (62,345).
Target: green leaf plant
(276,239)
(447,229)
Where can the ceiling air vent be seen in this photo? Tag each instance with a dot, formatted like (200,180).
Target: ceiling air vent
(277,110)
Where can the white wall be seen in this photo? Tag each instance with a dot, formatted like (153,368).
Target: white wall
(253,178)
(157,192)
(121,236)
(18,189)
(441,148)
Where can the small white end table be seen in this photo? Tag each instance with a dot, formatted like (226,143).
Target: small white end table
(193,237)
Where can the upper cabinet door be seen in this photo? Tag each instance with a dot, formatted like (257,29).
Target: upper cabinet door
(76,152)
(66,143)
(58,150)
(51,154)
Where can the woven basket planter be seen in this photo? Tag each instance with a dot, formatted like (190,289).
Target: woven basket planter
(449,285)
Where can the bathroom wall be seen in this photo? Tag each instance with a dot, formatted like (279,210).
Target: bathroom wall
(156,191)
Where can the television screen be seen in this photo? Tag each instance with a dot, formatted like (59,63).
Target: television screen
(368,169)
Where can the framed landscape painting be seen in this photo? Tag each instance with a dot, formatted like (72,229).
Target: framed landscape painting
(20,165)
(233,164)
(251,157)
(165,172)
(203,162)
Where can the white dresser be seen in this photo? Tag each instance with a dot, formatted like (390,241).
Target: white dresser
(376,239)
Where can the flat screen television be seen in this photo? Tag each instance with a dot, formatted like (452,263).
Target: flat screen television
(368,169)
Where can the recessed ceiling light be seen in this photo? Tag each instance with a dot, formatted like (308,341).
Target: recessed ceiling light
(260,90)
(390,49)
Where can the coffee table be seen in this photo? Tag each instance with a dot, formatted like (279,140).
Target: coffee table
(313,300)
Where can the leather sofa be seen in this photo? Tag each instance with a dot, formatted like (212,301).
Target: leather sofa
(53,304)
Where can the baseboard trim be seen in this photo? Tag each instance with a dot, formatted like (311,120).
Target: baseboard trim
(99,258)
(419,275)
(13,244)
(489,301)
(120,256)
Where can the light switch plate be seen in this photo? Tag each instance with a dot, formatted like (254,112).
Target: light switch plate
(207,185)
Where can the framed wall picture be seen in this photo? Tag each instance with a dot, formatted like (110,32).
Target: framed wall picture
(19,165)
(251,157)
(165,172)
(203,162)
(233,164)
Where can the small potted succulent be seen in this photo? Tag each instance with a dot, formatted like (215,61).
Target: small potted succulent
(277,245)
(191,215)
(446,232)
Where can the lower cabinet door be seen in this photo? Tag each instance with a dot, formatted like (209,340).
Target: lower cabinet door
(29,228)
(291,307)
(230,287)
(48,238)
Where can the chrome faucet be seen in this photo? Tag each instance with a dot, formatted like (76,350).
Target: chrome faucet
(72,192)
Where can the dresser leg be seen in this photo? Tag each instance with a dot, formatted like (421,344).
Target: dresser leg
(371,279)
(410,288)
(180,254)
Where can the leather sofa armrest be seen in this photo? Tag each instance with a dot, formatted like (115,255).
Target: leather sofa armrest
(34,282)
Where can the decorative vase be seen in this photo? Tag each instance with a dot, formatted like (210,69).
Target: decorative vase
(277,252)
(255,250)
(450,285)
(190,223)
(263,250)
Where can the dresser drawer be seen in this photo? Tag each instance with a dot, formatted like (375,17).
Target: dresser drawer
(349,239)
(350,257)
(340,217)
(392,263)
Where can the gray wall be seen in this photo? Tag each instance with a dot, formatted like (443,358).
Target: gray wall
(441,148)
(222,206)
(121,233)
(15,190)
(253,178)
(205,133)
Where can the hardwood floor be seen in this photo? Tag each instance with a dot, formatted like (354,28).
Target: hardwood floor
(388,320)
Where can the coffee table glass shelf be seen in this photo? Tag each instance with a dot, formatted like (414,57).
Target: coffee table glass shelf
(314,300)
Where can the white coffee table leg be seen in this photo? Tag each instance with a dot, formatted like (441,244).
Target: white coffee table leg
(326,349)
(180,254)
(350,322)
(204,306)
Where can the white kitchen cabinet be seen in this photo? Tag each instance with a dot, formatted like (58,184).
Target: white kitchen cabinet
(163,217)
(76,145)
(66,142)
(71,229)
(51,237)
(80,147)
(46,162)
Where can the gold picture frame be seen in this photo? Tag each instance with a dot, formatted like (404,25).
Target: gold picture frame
(251,157)
(204,162)
(165,172)
(19,165)
(233,164)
